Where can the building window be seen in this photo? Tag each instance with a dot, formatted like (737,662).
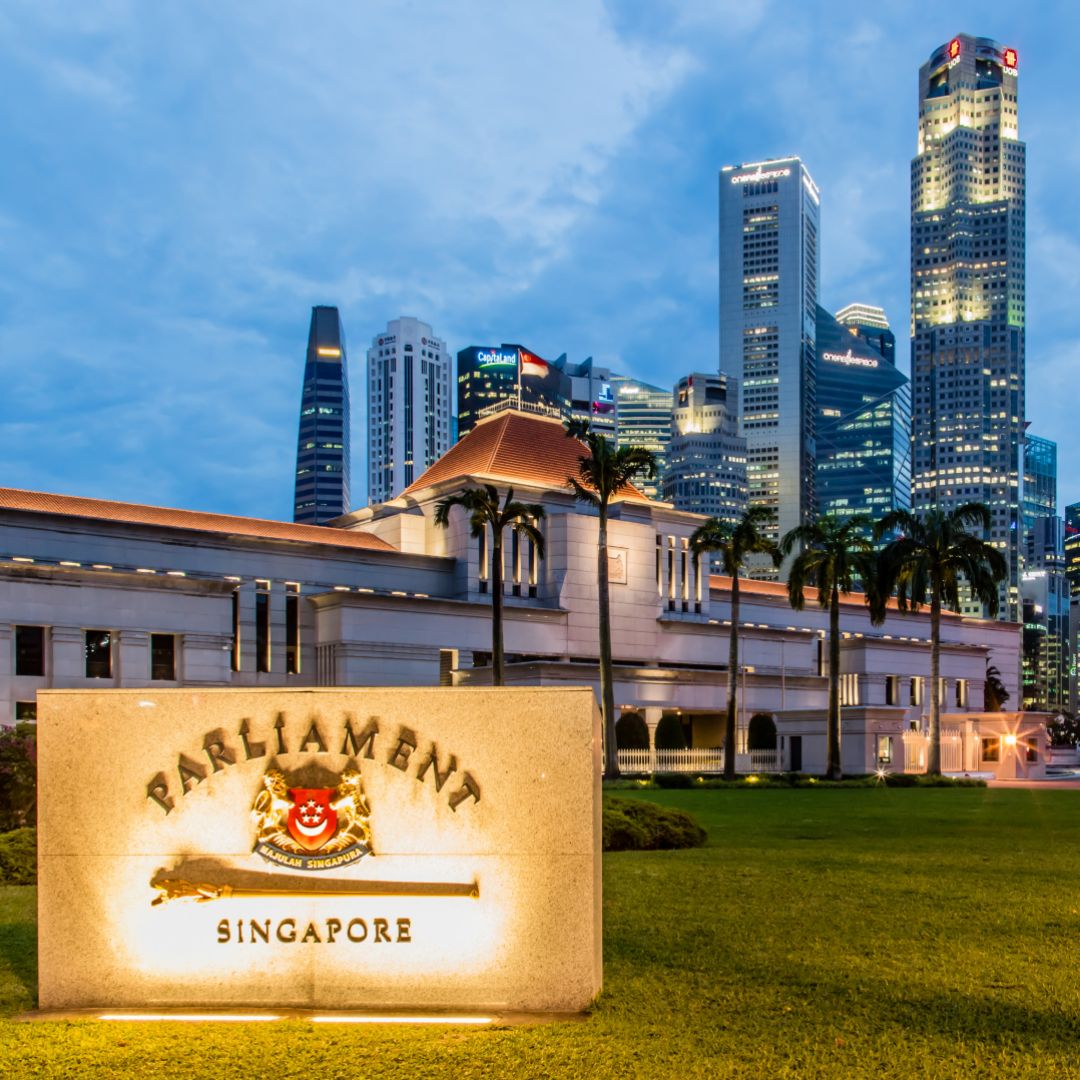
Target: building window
(884,749)
(1032,749)
(448,662)
(892,689)
(482,556)
(292,634)
(262,630)
(30,650)
(915,695)
(162,657)
(991,749)
(821,656)
(961,693)
(236,630)
(515,562)
(98,645)
(25,712)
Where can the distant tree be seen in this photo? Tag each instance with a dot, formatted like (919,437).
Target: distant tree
(994,692)
(932,554)
(734,543)
(486,512)
(603,474)
(18,777)
(1064,729)
(835,556)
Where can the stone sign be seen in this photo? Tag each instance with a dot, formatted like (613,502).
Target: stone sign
(319,849)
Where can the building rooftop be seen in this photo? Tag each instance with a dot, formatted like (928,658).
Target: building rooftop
(515,448)
(40,502)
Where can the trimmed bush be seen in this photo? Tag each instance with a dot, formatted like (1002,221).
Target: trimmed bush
(673,780)
(638,825)
(18,857)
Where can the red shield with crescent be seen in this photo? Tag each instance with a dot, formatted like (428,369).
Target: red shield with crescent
(312,821)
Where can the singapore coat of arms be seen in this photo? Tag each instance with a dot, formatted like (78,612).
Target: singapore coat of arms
(312,828)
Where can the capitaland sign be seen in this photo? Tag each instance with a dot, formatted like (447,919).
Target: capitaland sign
(849,359)
(371,848)
(496,358)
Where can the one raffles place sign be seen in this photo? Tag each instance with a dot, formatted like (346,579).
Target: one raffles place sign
(319,849)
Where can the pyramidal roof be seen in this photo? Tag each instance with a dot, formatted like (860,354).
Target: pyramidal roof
(514,447)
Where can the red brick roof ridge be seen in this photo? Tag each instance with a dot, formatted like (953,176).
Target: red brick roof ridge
(84,506)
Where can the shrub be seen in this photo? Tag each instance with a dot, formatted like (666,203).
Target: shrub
(633,825)
(670,734)
(18,857)
(673,780)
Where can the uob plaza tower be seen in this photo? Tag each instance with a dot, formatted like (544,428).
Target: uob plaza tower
(967,292)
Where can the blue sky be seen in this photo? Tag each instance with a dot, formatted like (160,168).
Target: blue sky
(181,181)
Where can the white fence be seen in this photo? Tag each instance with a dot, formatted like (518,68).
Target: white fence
(917,751)
(646,762)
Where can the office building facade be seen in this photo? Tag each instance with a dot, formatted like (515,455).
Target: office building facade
(322,452)
(707,467)
(869,322)
(769,223)
(488,375)
(967,292)
(1040,480)
(410,405)
(590,394)
(643,418)
(862,434)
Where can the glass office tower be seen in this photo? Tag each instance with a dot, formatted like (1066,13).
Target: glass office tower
(322,451)
(967,293)
(863,425)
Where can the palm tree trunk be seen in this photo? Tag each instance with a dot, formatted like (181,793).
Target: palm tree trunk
(835,771)
(732,681)
(933,758)
(497,608)
(607,688)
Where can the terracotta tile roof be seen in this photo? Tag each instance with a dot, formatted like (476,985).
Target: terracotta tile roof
(226,524)
(516,448)
(753,587)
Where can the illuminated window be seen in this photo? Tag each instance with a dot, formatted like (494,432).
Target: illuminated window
(991,749)
(884,749)
(292,634)
(235,630)
(262,629)
(98,647)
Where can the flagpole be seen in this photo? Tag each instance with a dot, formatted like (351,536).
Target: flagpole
(519,380)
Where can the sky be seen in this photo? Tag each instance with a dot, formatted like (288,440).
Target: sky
(181,181)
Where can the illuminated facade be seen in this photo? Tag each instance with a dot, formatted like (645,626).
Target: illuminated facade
(967,292)
(643,418)
(410,405)
(863,425)
(768,322)
(1040,480)
(870,323)
(591,394)
(322,451)
(488,376)
(706,470)
(1044,593)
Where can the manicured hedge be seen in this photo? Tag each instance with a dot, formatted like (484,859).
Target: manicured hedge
(18,857)
(637,825)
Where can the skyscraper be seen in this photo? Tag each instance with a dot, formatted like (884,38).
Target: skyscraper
(862,433)
(322,451)
(1040,480)
(706,469)
(869,322)
(1047,641)
(967,292)
(768,320)
(643,418)
(409,405)
(590,392)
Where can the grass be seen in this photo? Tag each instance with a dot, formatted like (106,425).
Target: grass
(819,933)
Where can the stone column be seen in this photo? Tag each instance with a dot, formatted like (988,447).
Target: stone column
(131,658)
(66,662)
(652,722)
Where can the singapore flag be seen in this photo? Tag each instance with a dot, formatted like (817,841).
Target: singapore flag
(531,364)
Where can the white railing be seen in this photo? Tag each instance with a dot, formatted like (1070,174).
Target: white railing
(704,761)
(642,762)
(917,751)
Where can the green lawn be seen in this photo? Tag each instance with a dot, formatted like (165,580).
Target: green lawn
(884,932)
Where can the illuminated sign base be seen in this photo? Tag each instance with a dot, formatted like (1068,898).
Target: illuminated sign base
(390,851)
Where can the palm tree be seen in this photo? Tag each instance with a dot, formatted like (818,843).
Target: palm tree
(994,692)
(603,474)
(835,555)
(733,543)
(484,510)
(930,555)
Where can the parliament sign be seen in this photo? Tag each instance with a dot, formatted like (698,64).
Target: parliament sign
(319,849)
